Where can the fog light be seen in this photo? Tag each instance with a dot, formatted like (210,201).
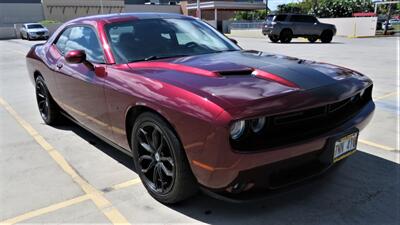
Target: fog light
(237,129)
(257,124)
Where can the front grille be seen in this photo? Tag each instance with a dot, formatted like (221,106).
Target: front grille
(40,33)
(289,128)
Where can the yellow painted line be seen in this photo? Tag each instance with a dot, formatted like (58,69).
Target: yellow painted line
(376,145)
(126,184)
(70,202)
(386,95)
(344,156)
(48,209)
(96,196)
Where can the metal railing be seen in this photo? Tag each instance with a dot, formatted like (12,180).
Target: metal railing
(243,25)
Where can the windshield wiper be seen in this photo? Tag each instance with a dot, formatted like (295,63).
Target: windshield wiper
(153,57)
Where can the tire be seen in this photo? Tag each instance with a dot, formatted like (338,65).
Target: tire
(273,38)
(286,36)
(326,36)
(160,160)
(312,39)
(48,109)
(28,37)
(22,36)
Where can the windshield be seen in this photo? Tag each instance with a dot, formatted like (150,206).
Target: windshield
(149,39)
(34,26)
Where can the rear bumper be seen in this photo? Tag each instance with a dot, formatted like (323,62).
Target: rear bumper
(232,168)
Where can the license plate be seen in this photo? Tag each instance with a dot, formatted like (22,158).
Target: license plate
(345,146)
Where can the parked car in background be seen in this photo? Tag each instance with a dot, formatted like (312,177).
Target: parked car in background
(34,31)
(284,27)
(394,21)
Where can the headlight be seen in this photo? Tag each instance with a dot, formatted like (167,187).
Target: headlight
(257,124)
(237,129)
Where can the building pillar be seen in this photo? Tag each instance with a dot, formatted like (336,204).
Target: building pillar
(216,17)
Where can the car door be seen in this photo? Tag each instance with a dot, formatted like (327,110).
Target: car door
(300,25)
(313,25)
(81,87)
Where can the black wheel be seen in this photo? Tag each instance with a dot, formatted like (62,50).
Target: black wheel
(286,36)
(160,160)
(28,37)
(22,36)
(312,39)
(48,109)
(326,36)
(273,38)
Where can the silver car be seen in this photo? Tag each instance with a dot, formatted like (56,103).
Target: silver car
(34,31)
(284,27)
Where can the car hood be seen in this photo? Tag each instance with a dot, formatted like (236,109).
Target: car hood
(244,78)
(37,30)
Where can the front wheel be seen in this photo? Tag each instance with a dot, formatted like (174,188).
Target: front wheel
(273,38)
(286,36)
(326,36)
(48,109)
(160,160)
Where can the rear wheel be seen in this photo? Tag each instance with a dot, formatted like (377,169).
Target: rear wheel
(22,36)
(48,109)
(326,36)
(286,36)
(273,38)
(160,160)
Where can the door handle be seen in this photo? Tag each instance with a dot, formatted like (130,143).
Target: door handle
(59,65)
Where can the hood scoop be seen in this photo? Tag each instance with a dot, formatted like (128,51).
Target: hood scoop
(243,72)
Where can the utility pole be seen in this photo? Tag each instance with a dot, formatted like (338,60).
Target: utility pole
(101,6)
(388,18)
(198,10)
(266,7)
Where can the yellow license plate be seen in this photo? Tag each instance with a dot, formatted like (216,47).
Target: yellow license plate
(345,146)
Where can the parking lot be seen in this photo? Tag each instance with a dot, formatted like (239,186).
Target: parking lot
(66,175)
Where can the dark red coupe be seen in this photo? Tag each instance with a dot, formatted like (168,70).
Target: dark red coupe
(194,109)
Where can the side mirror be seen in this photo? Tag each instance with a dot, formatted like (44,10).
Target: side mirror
(75,56)
(78,56)
(233,40)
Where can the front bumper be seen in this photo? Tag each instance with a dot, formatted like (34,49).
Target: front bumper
(38,36)
(234,169)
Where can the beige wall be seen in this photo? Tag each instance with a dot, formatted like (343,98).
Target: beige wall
(153,8)
(11,13)
(353,26)
(62,10)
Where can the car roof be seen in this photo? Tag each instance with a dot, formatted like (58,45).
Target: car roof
(32,24)
(108,18)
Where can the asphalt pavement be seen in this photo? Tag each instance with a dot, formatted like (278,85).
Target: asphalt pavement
(66,175)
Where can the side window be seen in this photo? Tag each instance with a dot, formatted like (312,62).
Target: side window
(81,38)
(62,40)
(310,19)
(84,38)
(296,18)
(280,18)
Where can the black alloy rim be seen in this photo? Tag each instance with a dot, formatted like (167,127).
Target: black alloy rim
(155,157)
(42,100)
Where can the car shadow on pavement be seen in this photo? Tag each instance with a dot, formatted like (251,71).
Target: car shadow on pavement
(112,152)
(362,189)
(306,42)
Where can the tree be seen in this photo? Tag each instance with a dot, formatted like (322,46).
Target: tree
(341,8)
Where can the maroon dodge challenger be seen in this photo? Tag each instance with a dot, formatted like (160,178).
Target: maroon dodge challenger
(193,109)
